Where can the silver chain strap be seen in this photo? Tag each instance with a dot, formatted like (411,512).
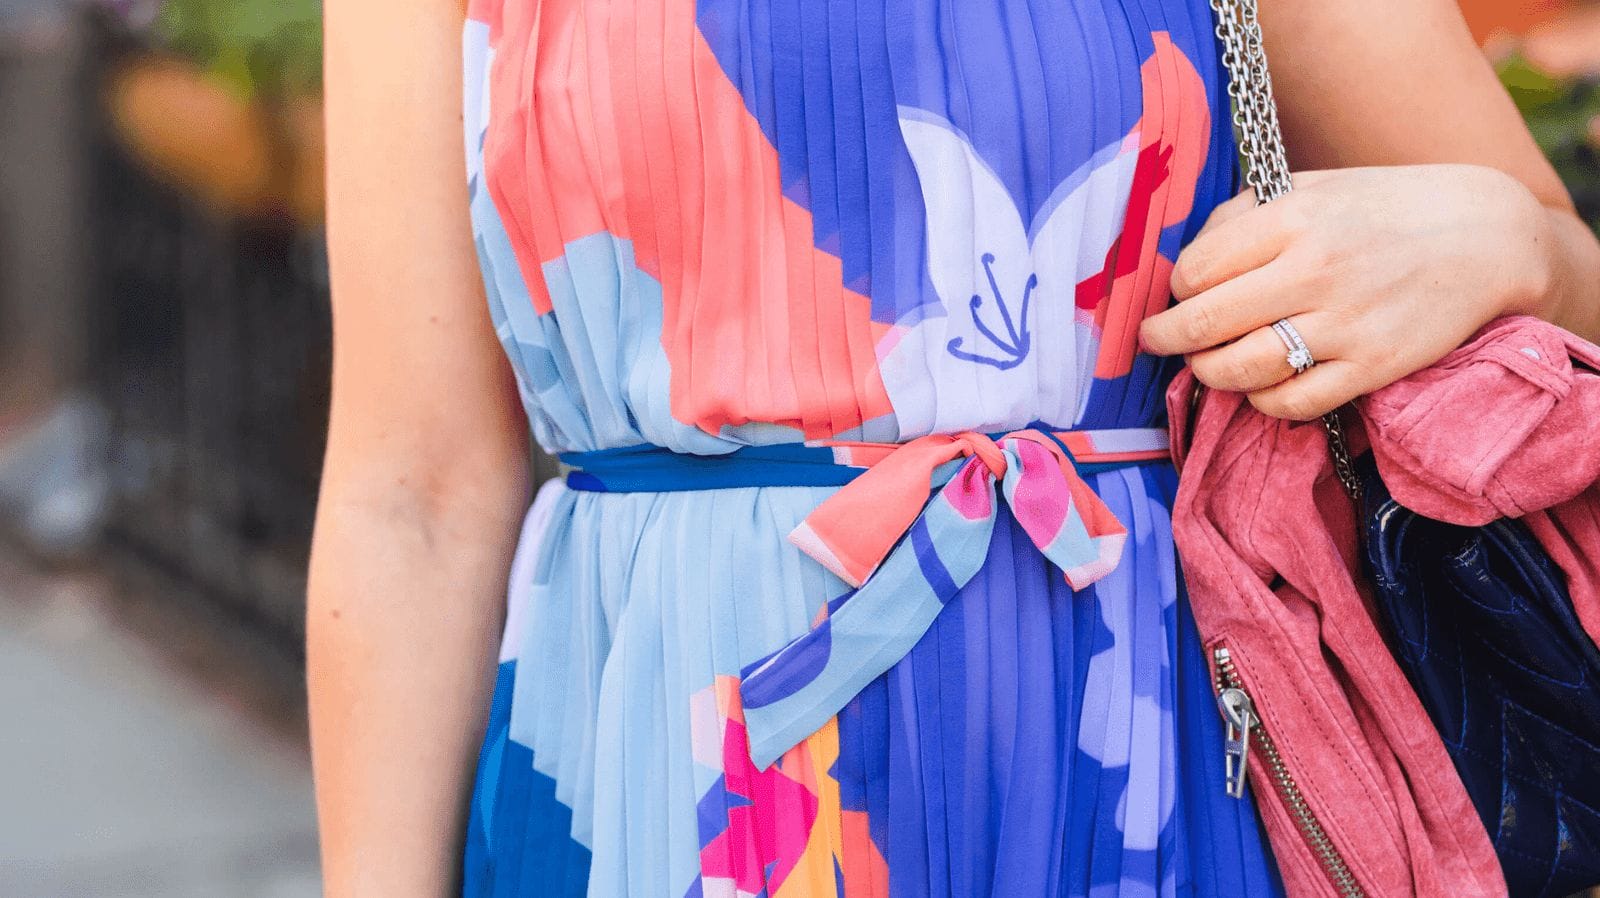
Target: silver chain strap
(1266,164)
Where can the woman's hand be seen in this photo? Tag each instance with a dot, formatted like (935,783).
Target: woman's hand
(1382,271)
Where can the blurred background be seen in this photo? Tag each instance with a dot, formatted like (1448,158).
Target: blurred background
(163,391)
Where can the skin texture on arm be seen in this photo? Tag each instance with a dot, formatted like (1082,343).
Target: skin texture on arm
(425,479)
(1422,210)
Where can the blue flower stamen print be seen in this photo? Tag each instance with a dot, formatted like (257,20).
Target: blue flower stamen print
(1020,340)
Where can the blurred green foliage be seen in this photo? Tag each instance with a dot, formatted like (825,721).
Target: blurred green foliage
(260,48)
(1562,114)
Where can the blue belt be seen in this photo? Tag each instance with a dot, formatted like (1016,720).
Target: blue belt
(656,469)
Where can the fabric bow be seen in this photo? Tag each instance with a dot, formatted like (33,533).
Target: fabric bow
(907,554)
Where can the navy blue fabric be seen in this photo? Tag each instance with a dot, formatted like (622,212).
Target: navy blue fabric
(517,830)
(1484,627)
(656,469)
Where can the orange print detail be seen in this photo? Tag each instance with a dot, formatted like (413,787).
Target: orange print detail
(597,126)
(1175,135)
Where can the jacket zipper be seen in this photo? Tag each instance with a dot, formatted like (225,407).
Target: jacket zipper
(1243,726)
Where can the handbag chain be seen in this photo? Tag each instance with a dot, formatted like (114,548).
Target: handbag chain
(1266,163)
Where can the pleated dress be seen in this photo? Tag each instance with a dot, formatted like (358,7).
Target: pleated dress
(863,581)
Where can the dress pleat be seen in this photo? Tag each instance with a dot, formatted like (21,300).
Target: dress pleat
(706,225)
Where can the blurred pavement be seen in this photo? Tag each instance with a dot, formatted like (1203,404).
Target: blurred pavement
(125,776)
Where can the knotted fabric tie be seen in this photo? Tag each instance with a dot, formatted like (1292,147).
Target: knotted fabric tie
(907,554)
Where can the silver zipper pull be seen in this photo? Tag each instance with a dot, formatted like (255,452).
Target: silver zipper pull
(1240,714)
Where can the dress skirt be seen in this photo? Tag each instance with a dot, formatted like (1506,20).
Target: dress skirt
(1036,742)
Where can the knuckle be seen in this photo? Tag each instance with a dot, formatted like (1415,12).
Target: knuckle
(1189,273)
(1347,319)
(1291,405)
(1205,371)
(1224,370)
(1315,258)
(1297,216)
(1241,372)
(1319,268)
(1264,403)
(1182,283)
(1199,324)
(1153,334)
(1232,368)
(1300,407)
(1315,279)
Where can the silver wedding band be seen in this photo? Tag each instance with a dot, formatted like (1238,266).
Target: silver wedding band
(1300,358)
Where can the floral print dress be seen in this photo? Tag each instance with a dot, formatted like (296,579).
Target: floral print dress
(811,235)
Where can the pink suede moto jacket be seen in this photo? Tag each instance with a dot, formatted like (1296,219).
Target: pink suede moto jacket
(1355,788)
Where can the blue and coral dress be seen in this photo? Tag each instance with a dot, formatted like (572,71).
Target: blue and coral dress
(862,583)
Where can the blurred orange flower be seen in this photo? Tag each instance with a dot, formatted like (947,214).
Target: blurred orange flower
(1494,18)
(1568,45)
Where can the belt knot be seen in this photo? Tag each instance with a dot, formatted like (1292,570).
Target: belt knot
(853,531)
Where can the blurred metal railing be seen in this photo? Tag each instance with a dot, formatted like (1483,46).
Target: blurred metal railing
(211,356)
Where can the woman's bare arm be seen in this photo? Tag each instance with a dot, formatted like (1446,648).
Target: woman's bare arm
(425,479)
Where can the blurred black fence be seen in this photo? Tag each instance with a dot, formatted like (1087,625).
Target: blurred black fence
(210,354)
(209,351)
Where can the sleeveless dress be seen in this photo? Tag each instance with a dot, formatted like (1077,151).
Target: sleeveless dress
(791,230)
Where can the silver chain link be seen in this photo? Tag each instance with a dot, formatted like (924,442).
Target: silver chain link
(1266,164)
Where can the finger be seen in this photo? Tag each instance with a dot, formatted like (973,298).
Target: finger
(1223,313)
(1231,208)
(1259,359)
(1308,396)
(1244,237)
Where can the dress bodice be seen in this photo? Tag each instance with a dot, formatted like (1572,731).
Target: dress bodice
(735,222)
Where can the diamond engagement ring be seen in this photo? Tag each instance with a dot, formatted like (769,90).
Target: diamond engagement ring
(1300,357)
